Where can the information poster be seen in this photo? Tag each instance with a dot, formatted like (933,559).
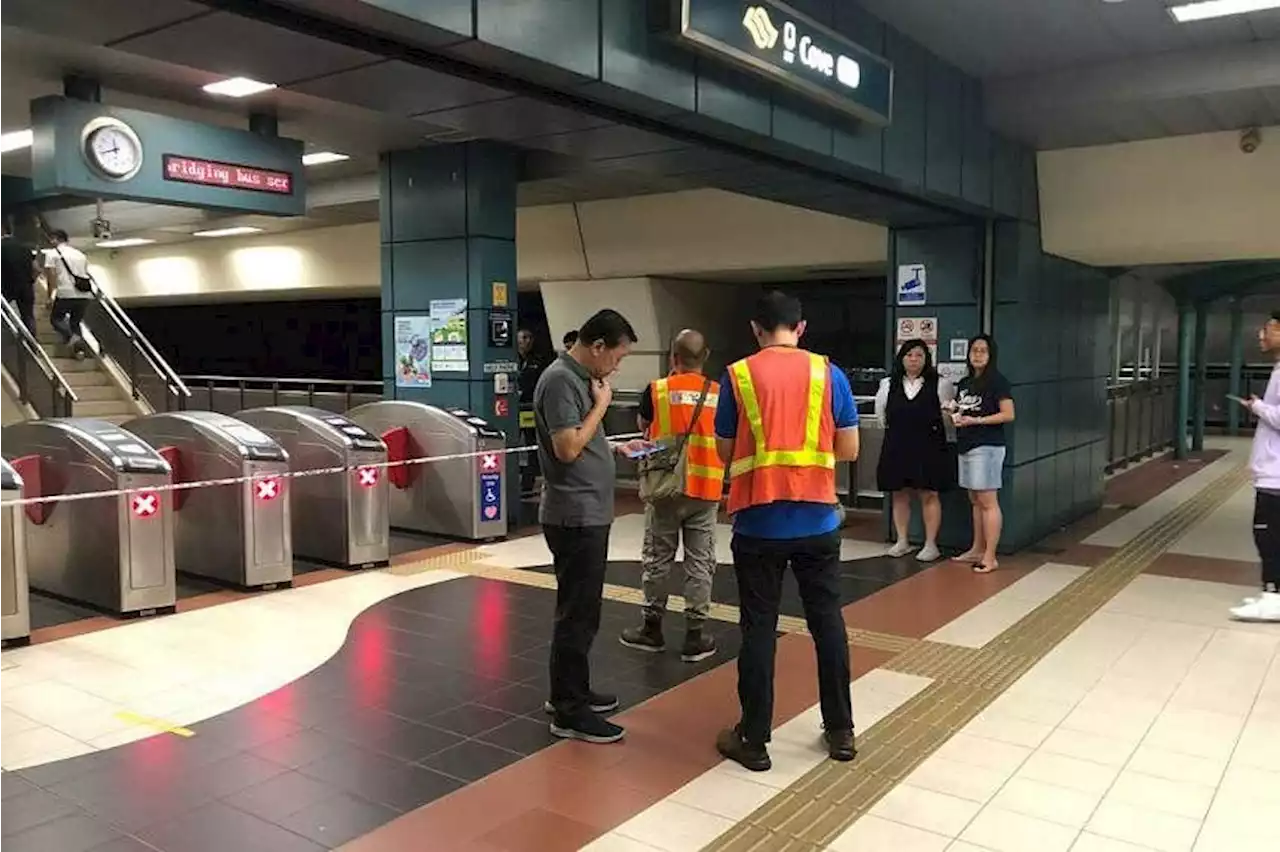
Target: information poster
(913,287)
(413,351)
(449,336)
(918,328)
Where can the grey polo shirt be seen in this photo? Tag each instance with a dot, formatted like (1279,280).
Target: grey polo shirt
(578,494)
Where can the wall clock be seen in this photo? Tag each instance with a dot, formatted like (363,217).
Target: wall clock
(111,148)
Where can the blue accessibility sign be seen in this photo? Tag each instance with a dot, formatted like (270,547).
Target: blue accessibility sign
(490,496)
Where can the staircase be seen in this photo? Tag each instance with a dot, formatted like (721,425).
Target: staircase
(100,396)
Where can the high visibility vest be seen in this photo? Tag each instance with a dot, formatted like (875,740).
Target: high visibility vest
(784,449)
(675,398)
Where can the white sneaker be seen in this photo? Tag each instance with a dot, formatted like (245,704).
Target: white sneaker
(902,548)
(1263,608)
(929,553)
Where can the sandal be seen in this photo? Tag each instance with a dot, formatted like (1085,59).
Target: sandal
(967,559)
(980,568)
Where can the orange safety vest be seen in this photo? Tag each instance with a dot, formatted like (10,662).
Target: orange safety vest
(674,400)
(785,444)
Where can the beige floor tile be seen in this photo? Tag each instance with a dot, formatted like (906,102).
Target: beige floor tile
(926,809)
(1007,831)
(1175,766)
(1060,805)
(1001,727)
(871,832)
(1085,746)
(1160,794)
(1088,842)
(963,780)
(984,753)
(1250,783)
(1143,826)
(1084,776)
(723,795)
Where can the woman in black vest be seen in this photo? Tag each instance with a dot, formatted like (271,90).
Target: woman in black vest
(915,458)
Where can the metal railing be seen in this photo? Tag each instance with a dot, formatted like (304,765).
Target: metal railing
(1142,417)
(149,376)
(39,382)
(229,394)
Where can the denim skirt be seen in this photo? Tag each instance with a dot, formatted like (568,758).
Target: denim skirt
(982,469)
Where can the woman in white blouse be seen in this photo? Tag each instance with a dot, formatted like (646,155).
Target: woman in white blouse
(915,458)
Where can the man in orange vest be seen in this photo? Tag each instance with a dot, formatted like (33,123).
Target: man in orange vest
(787,416)
(666,414)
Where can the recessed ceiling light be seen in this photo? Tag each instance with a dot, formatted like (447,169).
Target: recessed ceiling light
(238,87)
(319,158)
(1207,9)
(228,232)
(15,141)
(125,242)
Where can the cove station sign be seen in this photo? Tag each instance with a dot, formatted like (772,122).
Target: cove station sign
(773,40)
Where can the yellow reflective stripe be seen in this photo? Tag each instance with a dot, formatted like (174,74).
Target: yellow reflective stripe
(707,442)
(662,406)
(817,391)
(750,404)
(704,472)
(783,458)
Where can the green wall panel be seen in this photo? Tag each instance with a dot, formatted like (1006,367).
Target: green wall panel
(729,96)
(904,139)
(976,176)
(944,143)
(632,59)
(561,33)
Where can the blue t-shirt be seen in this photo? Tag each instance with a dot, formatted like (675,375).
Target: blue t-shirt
(787,519)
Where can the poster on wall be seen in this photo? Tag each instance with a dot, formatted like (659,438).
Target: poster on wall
(918,328)
(449,336)
(413,351)
(912,284)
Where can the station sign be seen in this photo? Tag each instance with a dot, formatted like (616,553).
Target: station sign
(773,40)
(211,173)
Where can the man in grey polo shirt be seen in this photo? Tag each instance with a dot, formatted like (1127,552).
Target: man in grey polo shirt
(578,470)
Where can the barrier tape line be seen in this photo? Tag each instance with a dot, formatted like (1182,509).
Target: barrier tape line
(292,474)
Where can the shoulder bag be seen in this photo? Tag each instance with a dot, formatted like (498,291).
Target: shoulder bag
(662,474)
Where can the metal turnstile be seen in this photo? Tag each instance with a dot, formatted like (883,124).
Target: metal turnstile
(238,533)
(16,625)
(113,552)
(338,518)
(462,497)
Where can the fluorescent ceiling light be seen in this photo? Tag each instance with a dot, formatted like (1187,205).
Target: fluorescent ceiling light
(125,242)
(319,158)
(238,87)
(228,232)
(1207,9)
(15,141)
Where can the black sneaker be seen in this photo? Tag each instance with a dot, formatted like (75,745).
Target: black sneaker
(647,637)
(599,702)
(754,757)
(840,744)
(697,646)
(588,727)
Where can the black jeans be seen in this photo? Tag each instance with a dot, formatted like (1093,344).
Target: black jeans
(1266,535)
(27,311)
(580,555)
(760,564)
(65,317)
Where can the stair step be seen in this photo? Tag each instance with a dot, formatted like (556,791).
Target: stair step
(97,393)
(104,408)
(87,380)
(71,365)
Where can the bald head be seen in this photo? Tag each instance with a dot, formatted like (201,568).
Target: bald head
(689,350)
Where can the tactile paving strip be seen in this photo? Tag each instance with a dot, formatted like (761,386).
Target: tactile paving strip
(822,804)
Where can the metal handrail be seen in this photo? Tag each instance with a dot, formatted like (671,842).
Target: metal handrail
(33,347)
(375,383)
(277,385)
(131,331)
(45,390)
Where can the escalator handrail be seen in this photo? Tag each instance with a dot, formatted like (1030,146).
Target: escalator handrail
(271,380)
(131,331)
(28,341)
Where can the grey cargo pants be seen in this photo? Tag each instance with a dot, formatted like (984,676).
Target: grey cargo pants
(664,523)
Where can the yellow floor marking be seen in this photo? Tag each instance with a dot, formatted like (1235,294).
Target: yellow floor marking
(157,724)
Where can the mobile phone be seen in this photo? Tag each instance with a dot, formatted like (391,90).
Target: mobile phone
(642,452)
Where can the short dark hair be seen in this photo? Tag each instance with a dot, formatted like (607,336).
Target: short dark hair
(570,338)
(775,309)
(608,327)
(59,236)
(1275,315)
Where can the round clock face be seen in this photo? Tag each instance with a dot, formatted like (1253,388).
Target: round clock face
(114,150)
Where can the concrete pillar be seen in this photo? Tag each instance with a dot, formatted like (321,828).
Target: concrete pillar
(1201,376)
(1236,380)
(1186,334)
(448,243)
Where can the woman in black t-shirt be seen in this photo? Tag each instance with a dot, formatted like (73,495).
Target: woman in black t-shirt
(983,404)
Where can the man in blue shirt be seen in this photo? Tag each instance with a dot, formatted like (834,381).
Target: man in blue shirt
(781,443)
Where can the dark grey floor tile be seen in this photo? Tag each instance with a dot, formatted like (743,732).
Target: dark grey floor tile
(35,808)
(517,699)
(124,844)
(68,834)
(218,827)
(382,780)
(248,726)
(523,735)
(133,802)
(14,784)
(236,773)
(281,796)
(469,719)
(300,749)
(471,761)
(392,736)
(338,819)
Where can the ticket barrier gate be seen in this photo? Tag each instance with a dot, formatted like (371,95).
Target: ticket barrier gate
(237,533)
(16,622)
(337,518)
(457,497)
(113,552)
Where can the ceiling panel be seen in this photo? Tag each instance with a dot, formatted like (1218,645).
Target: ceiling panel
(400,88)
(600,143)
(229,45)
(97,22)
(513,119)
(1235,110)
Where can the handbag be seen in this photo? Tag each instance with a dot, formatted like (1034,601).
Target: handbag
(82,283)
(662,473)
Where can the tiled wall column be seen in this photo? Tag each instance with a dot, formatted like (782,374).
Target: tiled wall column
(448,232)
(952,258)
(1052,324)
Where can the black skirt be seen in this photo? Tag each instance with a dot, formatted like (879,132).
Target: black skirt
(915,453)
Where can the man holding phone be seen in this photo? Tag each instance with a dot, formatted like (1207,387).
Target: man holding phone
(1265,461)
(576,513)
